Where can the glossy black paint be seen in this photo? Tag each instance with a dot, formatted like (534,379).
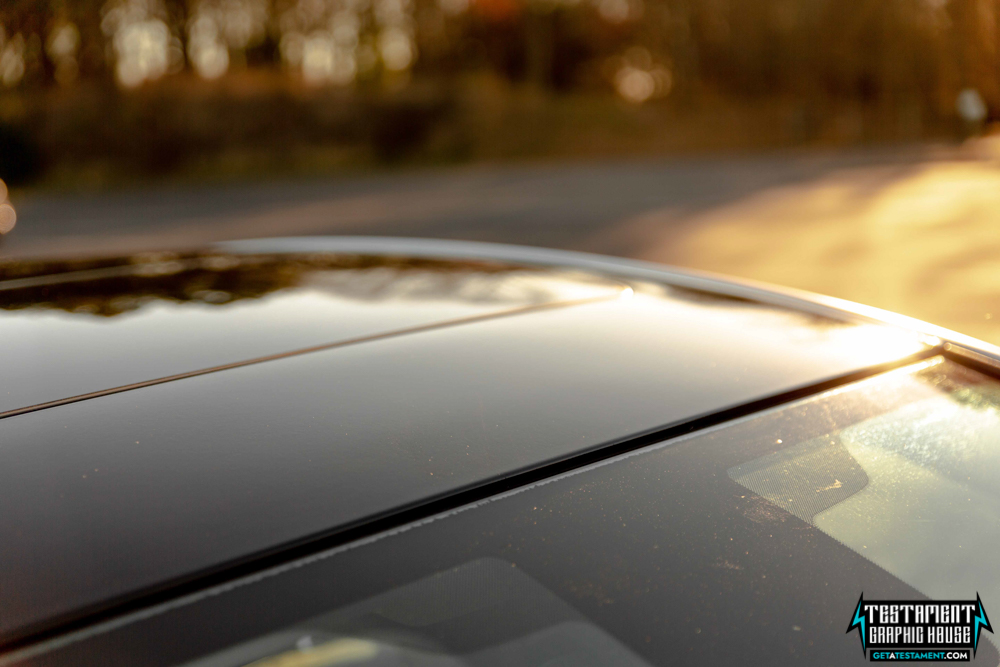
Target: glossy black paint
(103,324)
(661,548)
(118,493)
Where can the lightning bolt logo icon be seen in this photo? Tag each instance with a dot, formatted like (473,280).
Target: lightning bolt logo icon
(859,622)
(980,622)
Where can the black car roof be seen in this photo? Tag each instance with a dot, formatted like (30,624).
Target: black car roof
(126,469)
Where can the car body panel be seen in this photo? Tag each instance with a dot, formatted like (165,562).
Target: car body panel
(90,331)
(664,547)
(126,491)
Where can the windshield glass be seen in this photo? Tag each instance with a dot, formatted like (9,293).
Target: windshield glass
(746,543)
(484,612)
(916,490)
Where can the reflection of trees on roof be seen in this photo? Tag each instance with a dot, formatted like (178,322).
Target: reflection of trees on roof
(113,287)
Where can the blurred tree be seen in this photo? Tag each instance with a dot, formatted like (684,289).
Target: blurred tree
(175,72)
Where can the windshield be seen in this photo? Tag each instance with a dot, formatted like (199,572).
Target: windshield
(746,543)
(916,490)
(484,612)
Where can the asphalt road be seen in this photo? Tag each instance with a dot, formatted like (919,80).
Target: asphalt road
(914,230)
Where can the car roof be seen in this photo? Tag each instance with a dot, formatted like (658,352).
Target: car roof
(171,416)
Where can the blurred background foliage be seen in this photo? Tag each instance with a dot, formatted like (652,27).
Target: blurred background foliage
(94,91)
